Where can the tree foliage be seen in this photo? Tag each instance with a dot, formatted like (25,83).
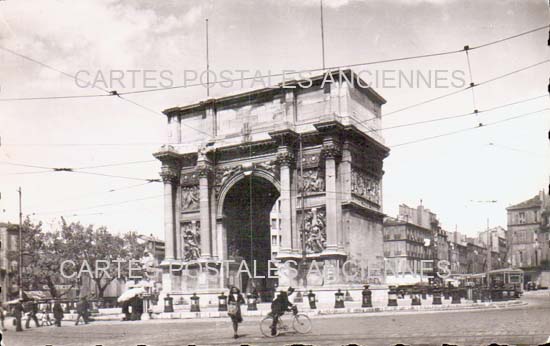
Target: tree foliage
(93,250)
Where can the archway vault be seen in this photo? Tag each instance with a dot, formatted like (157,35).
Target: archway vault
(226,187)
(247,209)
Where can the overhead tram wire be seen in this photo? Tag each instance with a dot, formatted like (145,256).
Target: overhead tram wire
(393,146)
(469,128)
(459,91)
(472,84)
(443,118)
(338,67)
(108,92)
(97,206)
(450,117)
(119,94)
(118,164)
(76,170)
(413,105)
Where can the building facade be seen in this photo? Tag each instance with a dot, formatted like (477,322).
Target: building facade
(413,243)
(254,146)
(528,235)
(9,250)
(529,238)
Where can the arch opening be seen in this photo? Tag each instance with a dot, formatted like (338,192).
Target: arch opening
(247,218)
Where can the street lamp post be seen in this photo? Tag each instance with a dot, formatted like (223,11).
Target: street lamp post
(20,266)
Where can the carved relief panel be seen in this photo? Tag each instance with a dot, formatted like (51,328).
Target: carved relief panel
(313,180)
(191,240)
(190,197)
(365,186)
(315,232)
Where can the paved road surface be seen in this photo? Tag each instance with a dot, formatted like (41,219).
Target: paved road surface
(528,325)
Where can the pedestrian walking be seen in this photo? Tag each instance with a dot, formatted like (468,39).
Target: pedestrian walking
(32,311)
(18,313)
(46,319)
(2,316)
(126,310)
(58,313)
(235,300)
(137,308)
(82,310)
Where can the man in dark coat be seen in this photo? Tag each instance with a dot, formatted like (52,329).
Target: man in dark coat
(126,310)
(58,313)
(18,313)
(32,311)
(82,310)
(279,306)
(137,308)
(2,316)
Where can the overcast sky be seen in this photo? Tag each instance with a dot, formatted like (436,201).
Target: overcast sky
(449,174)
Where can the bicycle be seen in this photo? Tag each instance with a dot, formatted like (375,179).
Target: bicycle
(299,322)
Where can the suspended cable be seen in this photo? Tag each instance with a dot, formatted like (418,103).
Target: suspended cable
(108,92)
(73,170)
(468,128)
(472,84)
(458,115)
(337,67)
(459,91)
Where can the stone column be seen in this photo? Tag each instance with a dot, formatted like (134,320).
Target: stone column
(285,159)
(344,185)
(177,222)
(169,178)
(214,231)
(331,153)
(286,140)
(204,168)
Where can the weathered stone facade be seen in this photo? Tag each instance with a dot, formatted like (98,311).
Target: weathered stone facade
(317,149)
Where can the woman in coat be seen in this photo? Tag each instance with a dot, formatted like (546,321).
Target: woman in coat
(58,313)
(235,300)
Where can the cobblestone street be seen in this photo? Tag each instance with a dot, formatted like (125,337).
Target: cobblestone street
(522,325)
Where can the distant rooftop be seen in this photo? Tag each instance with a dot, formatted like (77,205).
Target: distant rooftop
(534,202)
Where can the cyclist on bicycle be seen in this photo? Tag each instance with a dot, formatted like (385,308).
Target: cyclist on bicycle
(279,306)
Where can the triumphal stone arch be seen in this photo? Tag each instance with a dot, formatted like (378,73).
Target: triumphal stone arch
(311,147)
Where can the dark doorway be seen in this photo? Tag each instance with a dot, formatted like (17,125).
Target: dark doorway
(247,207)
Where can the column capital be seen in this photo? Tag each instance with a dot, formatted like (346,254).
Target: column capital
(204,170)
(331,150)
(170,163)
(169,174)
(285,158)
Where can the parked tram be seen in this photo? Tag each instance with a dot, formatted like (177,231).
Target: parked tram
(507,278)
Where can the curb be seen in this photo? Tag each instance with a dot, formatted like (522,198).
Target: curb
(186,315)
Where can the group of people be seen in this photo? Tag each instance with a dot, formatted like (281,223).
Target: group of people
(31,309)
(279,306)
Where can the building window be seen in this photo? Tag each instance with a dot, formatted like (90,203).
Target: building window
(536,216)
(521,217)
(274,240)
(274,223)
(280,239)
